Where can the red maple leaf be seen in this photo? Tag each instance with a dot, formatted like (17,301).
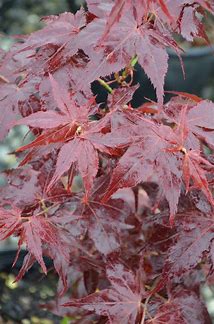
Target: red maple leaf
(41,236)
(200,121)
(34,231)
(182,307)
(70,126)
(12,98)
(57,37)
(192,169)
(194,241)
(103,223)
(121,303)
(128,41)
(9,222)
(191,127)
(140,8)
(147,160)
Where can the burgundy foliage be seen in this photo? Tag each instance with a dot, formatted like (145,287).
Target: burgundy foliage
(119,198)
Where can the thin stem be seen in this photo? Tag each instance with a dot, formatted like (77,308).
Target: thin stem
(145,310)
(105,85)
(134,61)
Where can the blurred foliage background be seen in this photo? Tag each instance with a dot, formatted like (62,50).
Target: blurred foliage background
(23,16)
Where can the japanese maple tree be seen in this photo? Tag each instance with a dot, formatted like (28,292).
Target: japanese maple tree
(120,199)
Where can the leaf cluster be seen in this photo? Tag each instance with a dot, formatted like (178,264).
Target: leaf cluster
(120,199)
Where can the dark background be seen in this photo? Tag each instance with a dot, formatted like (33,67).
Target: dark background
(23,16)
